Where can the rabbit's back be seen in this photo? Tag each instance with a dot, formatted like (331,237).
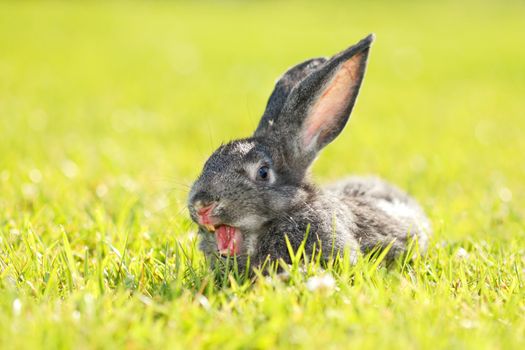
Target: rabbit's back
(381,213)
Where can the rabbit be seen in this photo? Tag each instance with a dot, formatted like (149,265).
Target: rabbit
(253,192)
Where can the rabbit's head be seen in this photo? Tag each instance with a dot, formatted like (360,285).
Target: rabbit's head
(249,183)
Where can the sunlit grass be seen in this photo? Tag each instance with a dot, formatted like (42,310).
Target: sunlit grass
(107,112)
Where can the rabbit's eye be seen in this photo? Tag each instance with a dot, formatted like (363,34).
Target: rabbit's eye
(263,173)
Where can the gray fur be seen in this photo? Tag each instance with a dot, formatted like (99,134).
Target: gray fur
(357,214)
(282,89)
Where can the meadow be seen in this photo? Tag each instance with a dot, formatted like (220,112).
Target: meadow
(109,109)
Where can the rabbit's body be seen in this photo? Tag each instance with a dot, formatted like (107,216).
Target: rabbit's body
(356,214)
(382,213)
(254,192)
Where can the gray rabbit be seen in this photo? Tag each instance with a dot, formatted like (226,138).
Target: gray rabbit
(255,191)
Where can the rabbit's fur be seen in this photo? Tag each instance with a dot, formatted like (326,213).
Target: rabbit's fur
(308,108)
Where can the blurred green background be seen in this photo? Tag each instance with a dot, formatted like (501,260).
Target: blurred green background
(141,93)
(145,91)
(109,109)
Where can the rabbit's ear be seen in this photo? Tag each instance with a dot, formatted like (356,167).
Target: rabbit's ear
(319,106)
(282,89)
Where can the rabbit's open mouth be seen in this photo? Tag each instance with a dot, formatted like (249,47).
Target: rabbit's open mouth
(229,240)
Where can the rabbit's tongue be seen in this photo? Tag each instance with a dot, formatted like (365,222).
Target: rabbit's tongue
(229,240)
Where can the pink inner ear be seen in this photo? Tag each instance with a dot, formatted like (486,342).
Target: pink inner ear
(333,102)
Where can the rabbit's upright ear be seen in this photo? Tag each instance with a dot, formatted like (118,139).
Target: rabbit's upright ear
(282,89)
(319,106)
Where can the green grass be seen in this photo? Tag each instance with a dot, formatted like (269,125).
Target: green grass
(107,112)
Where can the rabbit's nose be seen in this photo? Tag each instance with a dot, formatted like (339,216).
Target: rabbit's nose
(204,210)
(205,213)
(202,199)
